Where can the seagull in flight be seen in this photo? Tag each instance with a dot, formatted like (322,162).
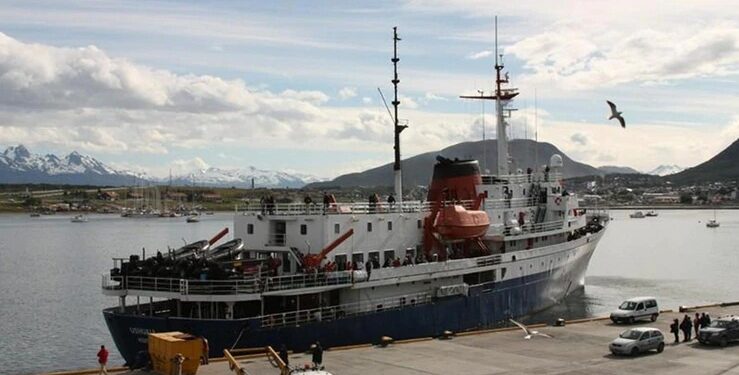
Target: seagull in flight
(616,114)
(529,333)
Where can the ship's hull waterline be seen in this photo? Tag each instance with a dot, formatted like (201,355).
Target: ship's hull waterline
(486,305)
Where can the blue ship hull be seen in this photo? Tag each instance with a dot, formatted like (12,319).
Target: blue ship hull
(486,305)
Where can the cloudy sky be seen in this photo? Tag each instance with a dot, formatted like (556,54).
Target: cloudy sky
(292,85)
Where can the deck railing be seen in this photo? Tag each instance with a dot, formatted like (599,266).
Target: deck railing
(343,208)
(340,311)
(307,280)
(226,287)
(181,286)
(520,178)
(510,203)
(537,228)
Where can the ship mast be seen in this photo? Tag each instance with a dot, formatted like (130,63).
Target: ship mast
(502,97)
(397,127)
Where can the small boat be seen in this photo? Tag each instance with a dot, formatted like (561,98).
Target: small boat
(210,213)
(637,215)
(35,214)
(227,250)
(456,222)
(713,223)
(651,214)
(79,219)
(192,219)
(195,248)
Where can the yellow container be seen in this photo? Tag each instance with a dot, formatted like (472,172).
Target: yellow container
(164,347)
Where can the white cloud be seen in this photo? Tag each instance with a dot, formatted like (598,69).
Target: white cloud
(407,102)
(640,146)
(479,55)
(313,97)
(575,57)
(579,138)
(347,92)
(367,100)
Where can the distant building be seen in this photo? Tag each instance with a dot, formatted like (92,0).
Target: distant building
(212,197)
(135,195)
(108,196)
(176,196)
(591,200)
(661,198)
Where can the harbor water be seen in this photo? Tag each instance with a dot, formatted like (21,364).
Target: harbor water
(50,274)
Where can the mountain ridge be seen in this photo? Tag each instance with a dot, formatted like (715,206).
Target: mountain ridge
(417,169)
(18,165)
(724,166)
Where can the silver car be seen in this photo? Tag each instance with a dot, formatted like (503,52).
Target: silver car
(638,340)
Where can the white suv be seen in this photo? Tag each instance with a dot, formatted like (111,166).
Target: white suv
(636,308)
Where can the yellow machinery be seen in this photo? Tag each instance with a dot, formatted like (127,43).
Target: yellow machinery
(166,349)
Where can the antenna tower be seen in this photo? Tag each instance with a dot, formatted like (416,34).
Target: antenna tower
(397,127)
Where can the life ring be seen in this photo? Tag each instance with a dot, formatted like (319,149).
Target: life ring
(558,201)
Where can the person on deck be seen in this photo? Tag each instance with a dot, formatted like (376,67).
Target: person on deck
(326,202)
(391,201)
(308,203)
(103,359)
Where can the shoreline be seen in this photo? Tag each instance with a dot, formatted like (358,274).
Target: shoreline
(20,210)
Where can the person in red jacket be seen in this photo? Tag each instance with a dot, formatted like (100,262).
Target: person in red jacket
(103,359)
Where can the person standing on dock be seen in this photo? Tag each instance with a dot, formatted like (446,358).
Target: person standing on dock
(103,359)
(317,354)
(674,329)
(283,355)
(697,324)
(687,327)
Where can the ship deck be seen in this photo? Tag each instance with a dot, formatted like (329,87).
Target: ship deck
(580,347)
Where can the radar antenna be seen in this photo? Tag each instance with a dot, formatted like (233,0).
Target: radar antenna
(502,97)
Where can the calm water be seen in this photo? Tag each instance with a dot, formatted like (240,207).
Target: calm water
(50,274)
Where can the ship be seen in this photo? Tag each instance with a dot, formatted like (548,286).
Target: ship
(480,249)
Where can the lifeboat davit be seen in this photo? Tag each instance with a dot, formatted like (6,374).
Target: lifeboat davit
(456,222)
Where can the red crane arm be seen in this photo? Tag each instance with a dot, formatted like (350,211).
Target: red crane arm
(218,236)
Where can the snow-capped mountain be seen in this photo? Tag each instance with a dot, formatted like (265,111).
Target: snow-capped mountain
(242,177)
(18,165)
(664,170)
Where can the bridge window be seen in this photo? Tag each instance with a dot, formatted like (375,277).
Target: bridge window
(303,229)
(249,228)
(369,227)
(358,258)
(389,225)
(285,262)
(389,256)
(340,261)
(337,228)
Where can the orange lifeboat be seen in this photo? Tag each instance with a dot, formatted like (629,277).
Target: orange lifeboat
(456,222)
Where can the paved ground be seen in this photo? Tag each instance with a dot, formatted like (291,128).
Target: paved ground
(575,349)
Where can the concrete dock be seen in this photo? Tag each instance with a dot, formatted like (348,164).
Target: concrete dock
(577,348)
